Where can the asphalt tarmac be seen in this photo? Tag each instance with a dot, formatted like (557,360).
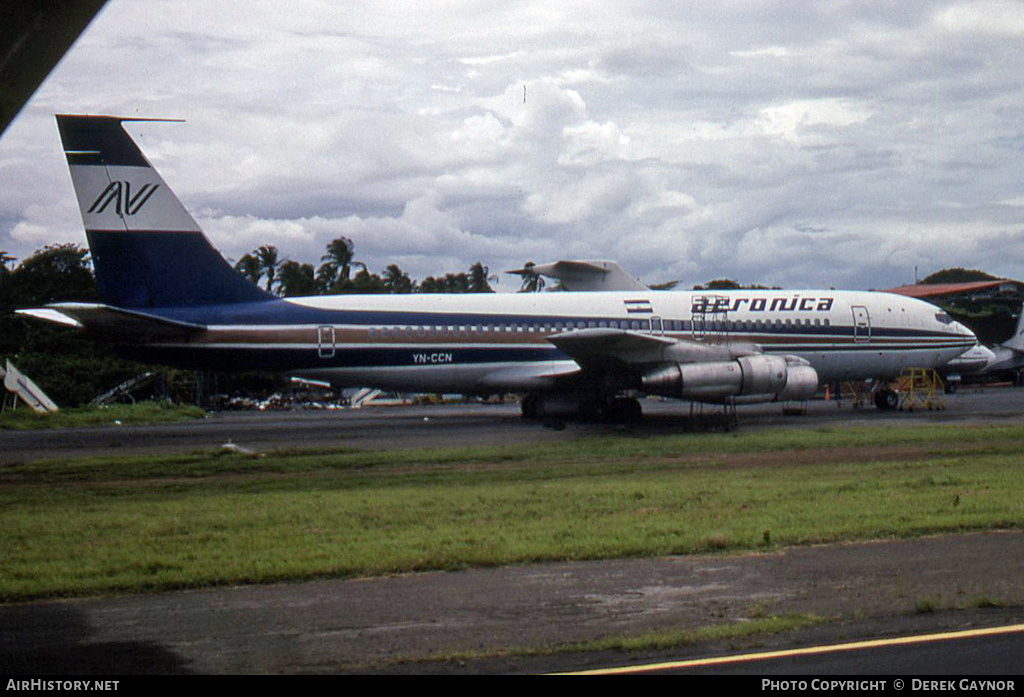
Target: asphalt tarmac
(393,624)
(467,425)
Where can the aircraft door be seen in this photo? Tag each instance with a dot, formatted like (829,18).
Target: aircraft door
(656,326)
(325,341)
(861,324)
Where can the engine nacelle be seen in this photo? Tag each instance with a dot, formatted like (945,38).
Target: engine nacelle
(754,378)
(801,382)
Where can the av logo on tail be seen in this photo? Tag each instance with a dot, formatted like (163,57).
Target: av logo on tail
(120,194)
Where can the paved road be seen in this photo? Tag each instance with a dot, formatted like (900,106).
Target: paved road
(990,652)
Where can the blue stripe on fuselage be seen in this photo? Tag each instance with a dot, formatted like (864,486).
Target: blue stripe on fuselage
(233,358)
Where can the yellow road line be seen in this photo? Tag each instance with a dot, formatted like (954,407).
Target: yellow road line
(809,651)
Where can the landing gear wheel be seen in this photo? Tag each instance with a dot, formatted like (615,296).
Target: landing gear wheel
(528,406)
(623,410)
(886,400)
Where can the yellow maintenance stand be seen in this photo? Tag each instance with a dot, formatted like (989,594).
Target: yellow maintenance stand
(920,388)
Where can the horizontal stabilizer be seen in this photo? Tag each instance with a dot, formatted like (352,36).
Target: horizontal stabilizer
(51,316)
(114,322)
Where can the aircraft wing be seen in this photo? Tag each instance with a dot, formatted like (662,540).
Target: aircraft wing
(598,350)
(602,345)
(587,345)
(530,376)
(115,322)
(586,275)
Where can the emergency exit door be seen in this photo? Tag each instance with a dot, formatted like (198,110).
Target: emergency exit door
(325,339)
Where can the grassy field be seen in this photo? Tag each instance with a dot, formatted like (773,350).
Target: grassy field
(106,525)
(24,418)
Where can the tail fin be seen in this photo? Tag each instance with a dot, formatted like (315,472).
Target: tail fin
(1016,342)
(146,248)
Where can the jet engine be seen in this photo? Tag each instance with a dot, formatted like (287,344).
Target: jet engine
(757,378)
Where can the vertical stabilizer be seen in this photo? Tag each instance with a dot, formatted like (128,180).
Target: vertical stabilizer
(1016,342)
(146,248)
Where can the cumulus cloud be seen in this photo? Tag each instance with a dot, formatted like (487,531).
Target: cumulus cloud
(996,17)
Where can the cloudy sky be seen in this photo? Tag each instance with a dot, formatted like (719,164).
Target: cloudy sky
(801,144)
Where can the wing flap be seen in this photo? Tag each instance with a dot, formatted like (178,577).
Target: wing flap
(590,346)
(531,376)
(587,345)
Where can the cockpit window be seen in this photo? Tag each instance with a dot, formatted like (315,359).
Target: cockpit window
(943,317)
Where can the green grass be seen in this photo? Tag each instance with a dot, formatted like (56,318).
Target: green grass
(673,638)
(659,640)
(24,418)
(107,525)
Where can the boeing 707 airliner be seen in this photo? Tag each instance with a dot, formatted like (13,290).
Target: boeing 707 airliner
(169,297)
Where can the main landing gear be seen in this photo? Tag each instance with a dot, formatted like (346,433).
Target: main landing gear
(622,410)
(610,410)
(886,399)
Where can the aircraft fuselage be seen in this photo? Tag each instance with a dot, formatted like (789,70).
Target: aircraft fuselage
(458,342)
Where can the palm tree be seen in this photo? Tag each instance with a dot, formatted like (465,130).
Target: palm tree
(294,279)
(364,282)
(4,258)
(479,279)
(532,282)
(249,266)
(337,267)
(396,280)
(451,283)
(269,263)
